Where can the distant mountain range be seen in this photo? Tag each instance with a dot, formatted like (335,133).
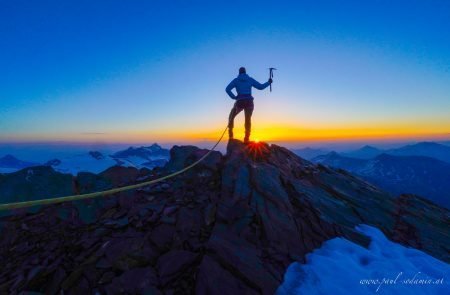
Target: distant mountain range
(424,176)
(149,152)
(309,153)
(149,157)
(366,152)
(439,151)
(427,149)
(422,168)
(9,163)
(95,161)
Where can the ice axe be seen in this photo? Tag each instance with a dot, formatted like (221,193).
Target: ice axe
(271,76)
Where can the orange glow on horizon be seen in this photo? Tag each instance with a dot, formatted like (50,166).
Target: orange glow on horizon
(260,132)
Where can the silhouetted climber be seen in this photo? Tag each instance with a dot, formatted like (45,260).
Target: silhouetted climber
(244,100)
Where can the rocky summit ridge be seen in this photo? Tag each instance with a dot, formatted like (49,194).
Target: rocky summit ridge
(231,225)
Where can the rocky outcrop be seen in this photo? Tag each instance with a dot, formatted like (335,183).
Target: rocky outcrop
(231,225)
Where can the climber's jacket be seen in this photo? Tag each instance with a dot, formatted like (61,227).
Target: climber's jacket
(243,84)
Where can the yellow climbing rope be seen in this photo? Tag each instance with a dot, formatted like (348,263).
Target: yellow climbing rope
(49,201)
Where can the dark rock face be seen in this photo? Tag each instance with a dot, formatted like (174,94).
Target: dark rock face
(36,181)
(231,225)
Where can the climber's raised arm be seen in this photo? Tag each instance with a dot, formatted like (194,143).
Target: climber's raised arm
(260,86)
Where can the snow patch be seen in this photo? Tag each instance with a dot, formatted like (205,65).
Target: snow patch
(343,267)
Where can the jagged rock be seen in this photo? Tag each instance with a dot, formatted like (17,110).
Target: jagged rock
(118,222)
(181,157)
(162,236)
(34,183)
(170,210)
(135,281)
(230,225)
(55,282)
(213,278)
(171,264)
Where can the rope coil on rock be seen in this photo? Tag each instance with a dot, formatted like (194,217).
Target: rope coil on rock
(49,201)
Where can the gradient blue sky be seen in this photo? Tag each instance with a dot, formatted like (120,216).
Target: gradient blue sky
(156,70)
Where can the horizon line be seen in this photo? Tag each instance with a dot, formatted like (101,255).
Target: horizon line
(207,140)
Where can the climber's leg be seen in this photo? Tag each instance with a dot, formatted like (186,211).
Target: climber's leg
(234,111)
(248,110)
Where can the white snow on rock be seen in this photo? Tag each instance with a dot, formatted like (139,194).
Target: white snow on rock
(82,163)
(343,267)
(96,162)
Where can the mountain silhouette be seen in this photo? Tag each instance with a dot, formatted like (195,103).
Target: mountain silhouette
(12,163)
(366,152)
(424,176)
(231,225)
(426,149)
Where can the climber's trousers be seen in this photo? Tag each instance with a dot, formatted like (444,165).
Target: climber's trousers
(247,106)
